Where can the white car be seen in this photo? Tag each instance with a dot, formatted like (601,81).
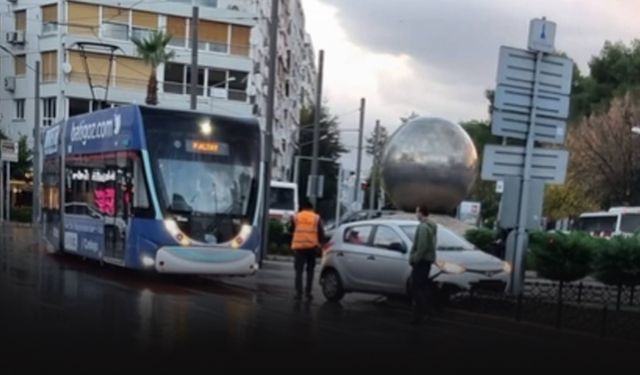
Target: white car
(373,257)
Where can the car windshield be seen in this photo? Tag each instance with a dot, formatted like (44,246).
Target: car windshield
(447,240)
(205,172)
(282,198)
(630,223)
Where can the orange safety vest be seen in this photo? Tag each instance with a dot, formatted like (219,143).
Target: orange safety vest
(305,235)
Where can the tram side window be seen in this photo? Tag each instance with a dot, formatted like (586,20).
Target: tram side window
(141,206)
(107,185)
(90,189)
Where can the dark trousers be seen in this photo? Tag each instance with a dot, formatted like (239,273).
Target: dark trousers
(302,257)
(421,288)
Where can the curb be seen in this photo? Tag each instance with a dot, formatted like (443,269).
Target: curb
(280,258)
(15,224)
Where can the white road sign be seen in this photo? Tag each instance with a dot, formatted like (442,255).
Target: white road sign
(516,125)
(519,100)
(500,161)
(9,151)
(517,68)
(542,35)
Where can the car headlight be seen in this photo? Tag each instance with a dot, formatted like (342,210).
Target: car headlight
(506,267)
(449,267)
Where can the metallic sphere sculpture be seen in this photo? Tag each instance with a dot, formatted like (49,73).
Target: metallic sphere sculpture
(429,161)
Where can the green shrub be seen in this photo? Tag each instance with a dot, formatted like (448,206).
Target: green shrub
(617,261)
(482,238)
(276,232)
(563,257)
(21,214)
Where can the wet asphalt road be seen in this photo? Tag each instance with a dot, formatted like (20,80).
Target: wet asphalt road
(62,311)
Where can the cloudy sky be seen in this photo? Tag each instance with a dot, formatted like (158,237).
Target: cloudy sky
(437,57)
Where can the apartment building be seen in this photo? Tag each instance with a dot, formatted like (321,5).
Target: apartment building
(77,76)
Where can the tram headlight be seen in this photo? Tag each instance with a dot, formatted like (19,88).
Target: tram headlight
(147,261)
(241,238)
(175,232)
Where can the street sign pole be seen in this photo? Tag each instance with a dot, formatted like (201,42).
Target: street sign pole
(1,191)
(522,237)
(8,192)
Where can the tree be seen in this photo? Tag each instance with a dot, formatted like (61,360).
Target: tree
(330,147)
(612,73)
(483,191)
(568,200)
(153,51)
(24,165)
(605,153)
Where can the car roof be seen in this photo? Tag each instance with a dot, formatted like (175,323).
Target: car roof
(448,222)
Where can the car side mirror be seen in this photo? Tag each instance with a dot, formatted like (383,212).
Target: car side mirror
(397,246)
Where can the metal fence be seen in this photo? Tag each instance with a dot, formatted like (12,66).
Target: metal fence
(586,307)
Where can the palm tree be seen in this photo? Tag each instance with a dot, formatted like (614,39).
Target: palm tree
(153,51)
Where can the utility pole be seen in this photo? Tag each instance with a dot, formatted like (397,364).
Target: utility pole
(194,57)
(316,132)
(37,173)
(266,158)
(359,165)
(374,167)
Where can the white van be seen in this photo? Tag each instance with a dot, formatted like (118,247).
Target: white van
(616,221)
(284,200)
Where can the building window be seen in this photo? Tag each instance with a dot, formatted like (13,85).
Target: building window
(212,82)
(238,85)
(177,28)
(115,23)
(84,18)
(143,24)
(131,72)
(115,30)
(48,111)
(81,106)
(240,40)
(20,65)
(49,66)
(49,18)
(174,78)
(213,36)
(217,83)
(286,89)
(19,114)
(21,20)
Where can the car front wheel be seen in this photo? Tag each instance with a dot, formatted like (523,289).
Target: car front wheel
(332,286)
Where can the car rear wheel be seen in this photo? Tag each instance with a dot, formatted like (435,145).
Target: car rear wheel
(332,286)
